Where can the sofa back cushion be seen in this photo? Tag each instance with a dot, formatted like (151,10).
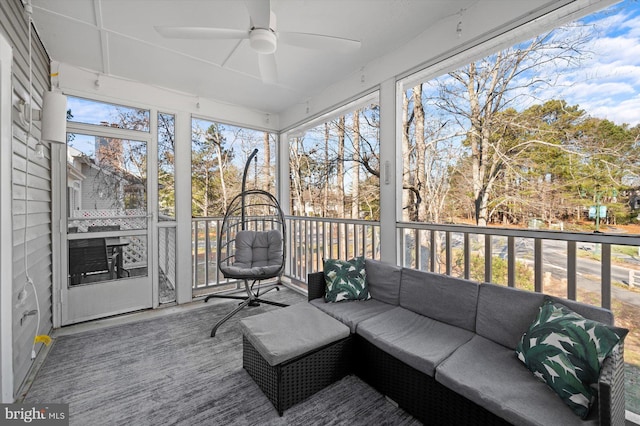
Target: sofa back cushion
(505,313)
(440,297)
(383,280)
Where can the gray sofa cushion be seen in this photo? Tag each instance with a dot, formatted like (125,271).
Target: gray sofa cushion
(283,334)
(416,340)
(441,297)
(505,313)
(491,376)
(352,312)
(384,281)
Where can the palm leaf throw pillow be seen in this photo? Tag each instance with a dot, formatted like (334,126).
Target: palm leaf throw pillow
(345,280)
(566,351)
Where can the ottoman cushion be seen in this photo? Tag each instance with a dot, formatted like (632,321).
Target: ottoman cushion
(286,333)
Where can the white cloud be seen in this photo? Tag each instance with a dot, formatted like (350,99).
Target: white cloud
(606,83)
(622,112)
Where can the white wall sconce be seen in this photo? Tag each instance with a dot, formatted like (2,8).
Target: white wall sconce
(54,117)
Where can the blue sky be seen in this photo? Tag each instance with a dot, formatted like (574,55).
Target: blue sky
(607,85)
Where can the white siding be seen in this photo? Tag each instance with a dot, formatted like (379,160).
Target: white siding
(34,214)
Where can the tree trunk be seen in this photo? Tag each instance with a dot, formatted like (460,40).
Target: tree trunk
(340,183)
(223,186)
(294,161)
(325,194)
(267,163)
(421,178)
(406,160)
(478,149)
(205,207)
(355,184)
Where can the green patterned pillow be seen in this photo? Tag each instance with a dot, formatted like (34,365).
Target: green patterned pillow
(566,351)
(345,280)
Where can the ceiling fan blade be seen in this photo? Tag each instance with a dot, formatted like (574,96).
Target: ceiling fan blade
(319,41)
(201,32)
(268,68)
(260,13)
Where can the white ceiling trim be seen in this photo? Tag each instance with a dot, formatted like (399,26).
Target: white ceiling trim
(104,37)
(349,106)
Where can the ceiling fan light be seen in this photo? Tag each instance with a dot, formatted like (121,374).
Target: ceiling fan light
(263,41)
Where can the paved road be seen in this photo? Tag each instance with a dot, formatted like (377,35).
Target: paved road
(588,272)
(554,259)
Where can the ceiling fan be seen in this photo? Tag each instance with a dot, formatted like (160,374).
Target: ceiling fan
(263,37)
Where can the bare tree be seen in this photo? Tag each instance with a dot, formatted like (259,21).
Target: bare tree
(338,150)
(266,170)
(355,183)
(409,212)
(215,139)
(420,148)
(476,94)
(340,167)
(296,171)
(327,176)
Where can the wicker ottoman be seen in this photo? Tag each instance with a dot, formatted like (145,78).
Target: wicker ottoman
(293,352)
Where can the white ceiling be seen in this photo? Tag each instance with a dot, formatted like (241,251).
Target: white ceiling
(117,38)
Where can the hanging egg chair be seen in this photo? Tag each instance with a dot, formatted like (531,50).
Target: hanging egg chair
(251,245)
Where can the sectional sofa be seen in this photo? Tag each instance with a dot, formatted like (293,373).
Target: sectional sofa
(444,349)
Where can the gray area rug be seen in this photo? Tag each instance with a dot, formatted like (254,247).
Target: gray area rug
(168,371)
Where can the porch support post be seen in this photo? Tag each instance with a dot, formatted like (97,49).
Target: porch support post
(390,195)
(284,191)
(284,196)
(605,274)
(184,290)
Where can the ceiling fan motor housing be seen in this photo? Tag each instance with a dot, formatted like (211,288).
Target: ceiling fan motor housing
(263,41)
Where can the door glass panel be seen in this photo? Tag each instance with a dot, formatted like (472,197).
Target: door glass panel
(166,208)
(106,194)
(166,168)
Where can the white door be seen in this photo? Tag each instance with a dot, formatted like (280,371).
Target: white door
(107,252)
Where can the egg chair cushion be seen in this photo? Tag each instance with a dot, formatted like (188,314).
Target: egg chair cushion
(258,254)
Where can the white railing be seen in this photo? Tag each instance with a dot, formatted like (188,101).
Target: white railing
(572,260)
(204,266)
(312,239)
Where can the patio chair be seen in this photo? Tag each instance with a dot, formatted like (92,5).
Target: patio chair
(88,256)
(111,251)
